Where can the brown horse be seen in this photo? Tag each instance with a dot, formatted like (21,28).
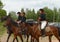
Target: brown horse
(33,30)
(49,31)
(9,31)
(14,27)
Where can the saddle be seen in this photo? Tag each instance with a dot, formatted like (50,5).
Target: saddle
(31,22)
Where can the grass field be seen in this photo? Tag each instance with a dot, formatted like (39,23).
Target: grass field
(2,29)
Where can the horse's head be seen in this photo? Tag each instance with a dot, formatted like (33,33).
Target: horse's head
(2,19)
(6,19)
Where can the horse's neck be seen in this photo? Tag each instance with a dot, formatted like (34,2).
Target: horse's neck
(14,28)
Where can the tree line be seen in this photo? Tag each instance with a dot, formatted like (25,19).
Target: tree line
(52,15)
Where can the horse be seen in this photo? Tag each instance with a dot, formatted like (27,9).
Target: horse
(9,31)
(33,30)
(14,28)
(49,31)
(23,26)
(13,25)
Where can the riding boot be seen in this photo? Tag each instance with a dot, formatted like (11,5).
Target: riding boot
(43,32)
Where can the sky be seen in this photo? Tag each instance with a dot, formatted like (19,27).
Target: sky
(16,5)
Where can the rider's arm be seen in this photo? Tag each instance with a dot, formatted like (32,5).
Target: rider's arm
(24,19)
(19,18)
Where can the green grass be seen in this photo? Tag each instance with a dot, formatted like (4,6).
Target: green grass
(2,29)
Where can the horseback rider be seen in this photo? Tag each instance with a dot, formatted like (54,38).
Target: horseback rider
(21,17)
(42,19)
(21,21)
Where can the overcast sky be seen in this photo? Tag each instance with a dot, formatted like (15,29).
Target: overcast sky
(16,5)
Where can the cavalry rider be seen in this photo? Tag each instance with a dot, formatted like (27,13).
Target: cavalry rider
(42,20)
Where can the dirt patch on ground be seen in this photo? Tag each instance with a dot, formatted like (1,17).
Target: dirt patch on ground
(3,38)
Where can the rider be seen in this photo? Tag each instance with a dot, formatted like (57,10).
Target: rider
(21,17)
(42,18)
(22,20)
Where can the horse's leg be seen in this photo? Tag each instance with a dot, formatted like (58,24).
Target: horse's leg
(32,39)
(55,33)
(17,39)
(21,37)
(13,40)
(14,37)
(27,37)
(8,37)
(50,38)
(37,39)
(57,37)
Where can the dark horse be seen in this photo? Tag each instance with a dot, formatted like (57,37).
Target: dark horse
(16,29)
(49,31)
(12,28)
(9,31)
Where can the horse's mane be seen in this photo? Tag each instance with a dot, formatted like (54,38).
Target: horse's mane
(14,23)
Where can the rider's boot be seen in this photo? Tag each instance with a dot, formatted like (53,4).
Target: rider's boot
(43,32)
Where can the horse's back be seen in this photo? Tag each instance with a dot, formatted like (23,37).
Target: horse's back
(31,22)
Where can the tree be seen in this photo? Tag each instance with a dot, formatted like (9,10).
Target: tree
(49,14)
(33,11)
(2,11)
(13,15)
(55,14)
(30,14)
(1,5)
(59,15)
(22,10)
